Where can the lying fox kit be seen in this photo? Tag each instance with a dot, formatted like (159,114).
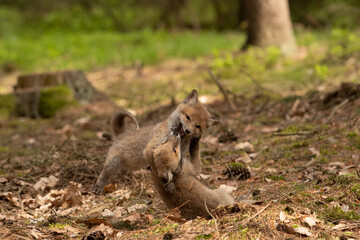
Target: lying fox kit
(132,150)
(164,168)
(190,195)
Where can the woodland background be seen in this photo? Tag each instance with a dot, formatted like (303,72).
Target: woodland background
(290,132)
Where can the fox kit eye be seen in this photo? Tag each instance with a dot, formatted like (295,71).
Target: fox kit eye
(197,126)
(174,150)
(187,117)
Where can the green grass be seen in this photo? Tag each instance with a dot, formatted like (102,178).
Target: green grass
(30,50)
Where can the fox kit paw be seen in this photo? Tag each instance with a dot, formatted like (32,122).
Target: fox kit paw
(97,189)
(170,187)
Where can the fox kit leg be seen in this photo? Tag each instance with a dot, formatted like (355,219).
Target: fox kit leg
(194,150)
(110,168)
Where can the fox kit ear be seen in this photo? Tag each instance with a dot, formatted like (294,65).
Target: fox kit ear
(192,98)
(163,141)
(212,121)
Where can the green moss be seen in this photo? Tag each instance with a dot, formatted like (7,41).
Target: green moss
(356,190)
(7,105)
(300,186)
(300,144)
(234,164)
(296,128)
(336,214)
(57,225)
(342,179)
(207,153)
(88,135)
(204,236)
(54,99)
(4,150)
(275,177)
(354,139)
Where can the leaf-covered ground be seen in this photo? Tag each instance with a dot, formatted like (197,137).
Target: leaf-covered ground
(302,153)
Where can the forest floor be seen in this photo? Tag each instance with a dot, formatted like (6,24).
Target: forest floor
(302,152)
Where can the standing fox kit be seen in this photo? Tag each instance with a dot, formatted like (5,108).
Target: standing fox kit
(190,195)
(133,150)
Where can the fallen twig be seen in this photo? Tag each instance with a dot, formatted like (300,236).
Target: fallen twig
(290,134)
(222,90)
(247,220)
(242,197)
(336,108)
(216,224)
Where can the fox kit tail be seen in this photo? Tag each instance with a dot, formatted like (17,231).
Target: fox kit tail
(117,121)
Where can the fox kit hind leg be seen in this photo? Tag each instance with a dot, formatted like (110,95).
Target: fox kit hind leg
(110,168)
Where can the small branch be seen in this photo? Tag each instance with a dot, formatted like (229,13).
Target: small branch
(259,212)
(291,134)
(204,182)
(142,184)
(243,197)
(216,224)
(222,90)
(259,87)
(336,108)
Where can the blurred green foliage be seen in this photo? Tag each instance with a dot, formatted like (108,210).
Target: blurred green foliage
(7,105)
(64,50)
(42,35)
(324,56)
(55,98)
(84,34)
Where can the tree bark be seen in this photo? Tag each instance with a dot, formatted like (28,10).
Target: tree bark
(269,24)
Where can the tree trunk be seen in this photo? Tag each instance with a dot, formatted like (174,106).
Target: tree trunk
(29,89)
(269,24)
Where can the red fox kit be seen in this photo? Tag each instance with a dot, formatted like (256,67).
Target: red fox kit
(132,151)
(190,195)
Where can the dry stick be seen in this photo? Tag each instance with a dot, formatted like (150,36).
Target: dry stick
(203,181)
(256,82)
(291,134)
(142,184)
(259,212)
(222,90)
(336,108)
(20,200)
(216,224)
(243,197)
(253,79)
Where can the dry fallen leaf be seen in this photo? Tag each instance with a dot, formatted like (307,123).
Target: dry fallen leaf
(311,221)
(94,221)
(282,216)
(108,231)
(314,151)
(107,213)
(46,183)
(30,203)
(72,195)
(245,146)
(3,180)
(293,230)
(267,129)
(109,188)
(119,211)
(174,216)
(135,207)
(4,232)
(244,159)
(65,198)
(303,231)
(8,196)
(133,217)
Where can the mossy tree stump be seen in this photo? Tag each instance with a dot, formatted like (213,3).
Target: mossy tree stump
(41,95)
